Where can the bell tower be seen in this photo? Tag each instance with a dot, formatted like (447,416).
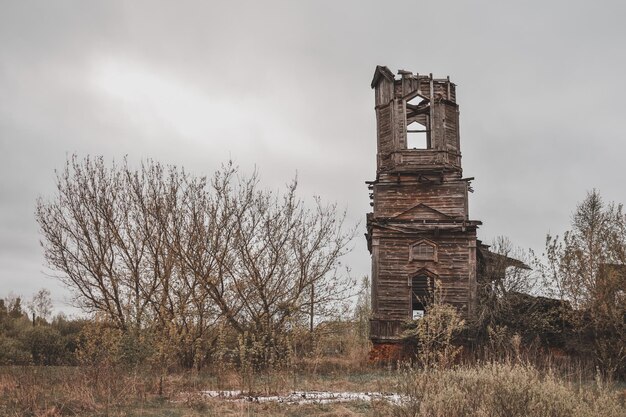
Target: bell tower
(419,233)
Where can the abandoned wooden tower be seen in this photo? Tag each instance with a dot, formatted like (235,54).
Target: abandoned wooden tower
(419,233)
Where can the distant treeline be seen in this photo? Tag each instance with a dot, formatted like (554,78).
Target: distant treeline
(37,341)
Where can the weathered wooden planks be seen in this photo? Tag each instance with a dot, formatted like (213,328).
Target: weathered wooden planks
(418,195)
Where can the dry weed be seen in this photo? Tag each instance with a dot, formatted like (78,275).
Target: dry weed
(504,390)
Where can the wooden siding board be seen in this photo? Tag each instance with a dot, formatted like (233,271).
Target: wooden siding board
(392,199)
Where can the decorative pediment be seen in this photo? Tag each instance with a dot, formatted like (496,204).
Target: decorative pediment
(425,271)
(422,212)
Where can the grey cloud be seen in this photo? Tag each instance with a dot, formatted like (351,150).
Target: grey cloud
(285,85)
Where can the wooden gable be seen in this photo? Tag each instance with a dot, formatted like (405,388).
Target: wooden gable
(421,211)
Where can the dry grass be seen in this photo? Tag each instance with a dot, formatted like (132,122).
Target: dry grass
(55,391)
(61,391)
(231,409)
(507,390)
(479,390)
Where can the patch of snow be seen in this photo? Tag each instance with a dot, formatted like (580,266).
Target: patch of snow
(308,397)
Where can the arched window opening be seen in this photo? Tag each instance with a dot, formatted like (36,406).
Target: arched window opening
(424,250)
(422,288)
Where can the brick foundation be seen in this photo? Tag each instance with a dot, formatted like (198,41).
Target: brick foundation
(388,353)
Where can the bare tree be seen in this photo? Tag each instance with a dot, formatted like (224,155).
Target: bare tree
(101,233)
(513,261)
(158,248)
(40,306)
(505,281)
(587,267)
(109,233)
(267,254)
(578,262)
(77,238)
(363,311)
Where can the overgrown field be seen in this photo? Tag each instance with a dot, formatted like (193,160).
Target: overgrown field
(489,389)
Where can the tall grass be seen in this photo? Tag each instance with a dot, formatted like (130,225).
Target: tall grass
(506,390)
(56,391)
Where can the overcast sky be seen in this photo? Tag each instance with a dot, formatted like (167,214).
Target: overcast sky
(284,86)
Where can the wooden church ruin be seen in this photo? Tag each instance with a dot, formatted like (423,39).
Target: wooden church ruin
(419,233)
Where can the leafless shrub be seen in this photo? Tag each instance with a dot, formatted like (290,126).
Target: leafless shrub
(435,334)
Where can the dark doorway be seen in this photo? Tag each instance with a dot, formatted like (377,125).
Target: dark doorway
(422,287)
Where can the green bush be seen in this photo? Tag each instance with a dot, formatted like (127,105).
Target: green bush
(44,344)
(12,352)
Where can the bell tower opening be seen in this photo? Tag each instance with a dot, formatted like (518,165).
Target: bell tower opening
(417,136)
(417,112)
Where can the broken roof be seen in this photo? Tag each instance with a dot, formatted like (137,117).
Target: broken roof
(381,71)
